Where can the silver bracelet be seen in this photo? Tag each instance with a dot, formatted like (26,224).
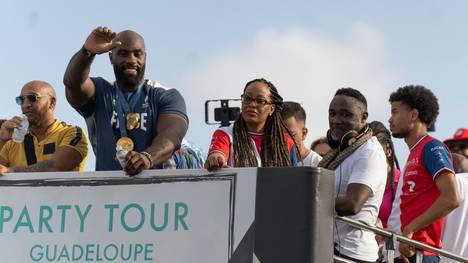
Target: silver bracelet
(147,155)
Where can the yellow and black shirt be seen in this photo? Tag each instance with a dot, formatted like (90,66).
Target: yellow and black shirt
(59,134)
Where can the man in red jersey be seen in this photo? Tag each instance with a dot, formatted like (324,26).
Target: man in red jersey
(429,190)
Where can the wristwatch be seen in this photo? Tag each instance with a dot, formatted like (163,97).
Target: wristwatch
(86,52)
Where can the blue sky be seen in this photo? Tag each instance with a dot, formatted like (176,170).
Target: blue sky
(210,49)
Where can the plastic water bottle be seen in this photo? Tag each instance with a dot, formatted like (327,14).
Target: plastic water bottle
(21,131)
(120,155)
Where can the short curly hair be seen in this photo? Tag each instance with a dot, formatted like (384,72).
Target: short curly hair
(350,92)
(420,98)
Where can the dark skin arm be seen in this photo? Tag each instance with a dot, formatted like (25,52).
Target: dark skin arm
(64,159)
(215,161)
(78,86)
(351,204)
(171,129)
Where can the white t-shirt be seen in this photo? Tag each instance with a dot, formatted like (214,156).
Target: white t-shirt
(455,236)
(367,165)
(312,159)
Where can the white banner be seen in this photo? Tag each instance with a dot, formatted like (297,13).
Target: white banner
(145,219)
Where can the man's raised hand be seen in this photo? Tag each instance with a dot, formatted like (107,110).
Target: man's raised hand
(101,40)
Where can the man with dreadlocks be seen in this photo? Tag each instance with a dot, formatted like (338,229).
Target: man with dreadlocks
(258,137)
(360,169)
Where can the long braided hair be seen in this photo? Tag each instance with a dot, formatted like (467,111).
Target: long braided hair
(385,137)
(274,148)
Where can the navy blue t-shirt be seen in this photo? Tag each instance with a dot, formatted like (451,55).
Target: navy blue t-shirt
(101,117)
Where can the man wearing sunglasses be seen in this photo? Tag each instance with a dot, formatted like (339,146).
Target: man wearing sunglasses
(139,111)
(459,142)
(49,145)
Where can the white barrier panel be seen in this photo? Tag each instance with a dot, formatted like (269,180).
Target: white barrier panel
(145,219)
(160,216)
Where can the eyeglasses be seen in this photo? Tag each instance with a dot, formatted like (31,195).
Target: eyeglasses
(246,99)
(31,98)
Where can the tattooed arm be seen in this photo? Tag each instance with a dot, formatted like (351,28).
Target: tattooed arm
(64,159)
(43,166)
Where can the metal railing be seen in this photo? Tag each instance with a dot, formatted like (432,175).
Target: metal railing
(391,238)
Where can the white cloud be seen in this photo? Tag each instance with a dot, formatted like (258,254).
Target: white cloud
(305,66)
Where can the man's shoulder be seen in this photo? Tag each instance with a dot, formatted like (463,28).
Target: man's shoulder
(370,154)
(432,149)
(432,144)
(103,88)
(155,87)
(65,128)
(100,81)
(312,159)
(62,125)
(224,131)
(158,90)
(154,84)
(370,147)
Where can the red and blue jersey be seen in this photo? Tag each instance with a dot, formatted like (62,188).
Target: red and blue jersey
(427,159)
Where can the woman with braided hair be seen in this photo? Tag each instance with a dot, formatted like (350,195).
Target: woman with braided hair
(258,138)
(384,136)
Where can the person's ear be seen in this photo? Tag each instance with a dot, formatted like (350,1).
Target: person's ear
(365,114)
(272,109)
(52,103)
(305,131)
(110,57)
(414,114)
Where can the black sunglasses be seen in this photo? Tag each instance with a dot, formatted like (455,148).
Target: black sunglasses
(31,98)
(457,145)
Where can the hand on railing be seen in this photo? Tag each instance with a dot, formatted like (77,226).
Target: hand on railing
(406,250)
(402,239)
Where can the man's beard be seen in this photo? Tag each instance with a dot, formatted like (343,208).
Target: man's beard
(119,72)
(398,135)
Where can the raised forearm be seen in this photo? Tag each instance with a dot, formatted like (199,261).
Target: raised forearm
(76,75)
(78,69)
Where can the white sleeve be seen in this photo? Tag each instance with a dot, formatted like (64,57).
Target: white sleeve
(369,168)
(316,158)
